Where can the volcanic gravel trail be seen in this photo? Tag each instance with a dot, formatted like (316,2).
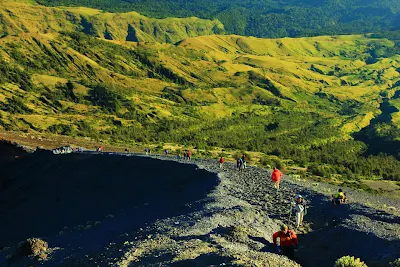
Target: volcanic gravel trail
(195,214)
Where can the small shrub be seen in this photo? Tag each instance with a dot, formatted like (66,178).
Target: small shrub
(395,263)
(222,154)
(237,155)
(31,247)
(16,105)
(85,129)
(248,156)
(349,261)
(63,129)
(207,154)
(266,162)
(159,148)
(278,164)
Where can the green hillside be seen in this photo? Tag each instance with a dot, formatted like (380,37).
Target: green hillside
(17,17)
(326,103)
(266,18)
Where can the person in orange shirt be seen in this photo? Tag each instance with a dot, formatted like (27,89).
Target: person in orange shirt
(288,241)
(276,177)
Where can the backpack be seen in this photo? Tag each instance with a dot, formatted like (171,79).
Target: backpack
(299,207)
(288,235)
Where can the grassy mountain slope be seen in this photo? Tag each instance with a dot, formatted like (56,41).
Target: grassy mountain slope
(269,18)
(303,100)
(18,18)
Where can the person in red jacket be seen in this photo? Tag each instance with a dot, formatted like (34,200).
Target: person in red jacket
(287,241)
(276,177)
(221,162)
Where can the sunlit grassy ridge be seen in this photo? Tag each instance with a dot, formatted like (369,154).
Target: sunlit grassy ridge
(299,99)
(266,18)
(18,17)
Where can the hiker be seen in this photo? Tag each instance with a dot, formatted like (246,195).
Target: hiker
(300,208)
(238,164)
(287,241)
(146,150)
(242,164)
(166,152)
(244,161)
(276,177)
(189,154)
(339,197)
(221,162)
(100,149)
(184,155)
(127,150)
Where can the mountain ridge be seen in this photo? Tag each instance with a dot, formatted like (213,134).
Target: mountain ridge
(20,17)
(291,98)
(292,18)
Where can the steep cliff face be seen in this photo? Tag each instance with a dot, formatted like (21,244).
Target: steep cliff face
(19,17)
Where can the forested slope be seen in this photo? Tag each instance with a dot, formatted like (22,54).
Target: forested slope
(270,18)
(17,18)
(326,103)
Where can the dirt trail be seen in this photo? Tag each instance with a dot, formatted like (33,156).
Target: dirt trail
(169,214)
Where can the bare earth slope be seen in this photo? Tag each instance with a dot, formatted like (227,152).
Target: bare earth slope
(112,210)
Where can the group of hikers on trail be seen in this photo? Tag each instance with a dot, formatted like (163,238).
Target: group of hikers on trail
(187,155)
(288,241)
(241,163)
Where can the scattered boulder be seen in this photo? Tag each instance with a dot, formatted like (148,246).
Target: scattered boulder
(237,234)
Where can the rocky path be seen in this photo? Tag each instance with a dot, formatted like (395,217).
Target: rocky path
(367,227)
(232,225)
(244,210)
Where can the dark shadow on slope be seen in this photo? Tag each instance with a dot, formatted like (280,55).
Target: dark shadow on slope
(339,241)
(380,144)
(332,239)
(9,152)
(323,246)
(210,259)
(268,246)
(46,193)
